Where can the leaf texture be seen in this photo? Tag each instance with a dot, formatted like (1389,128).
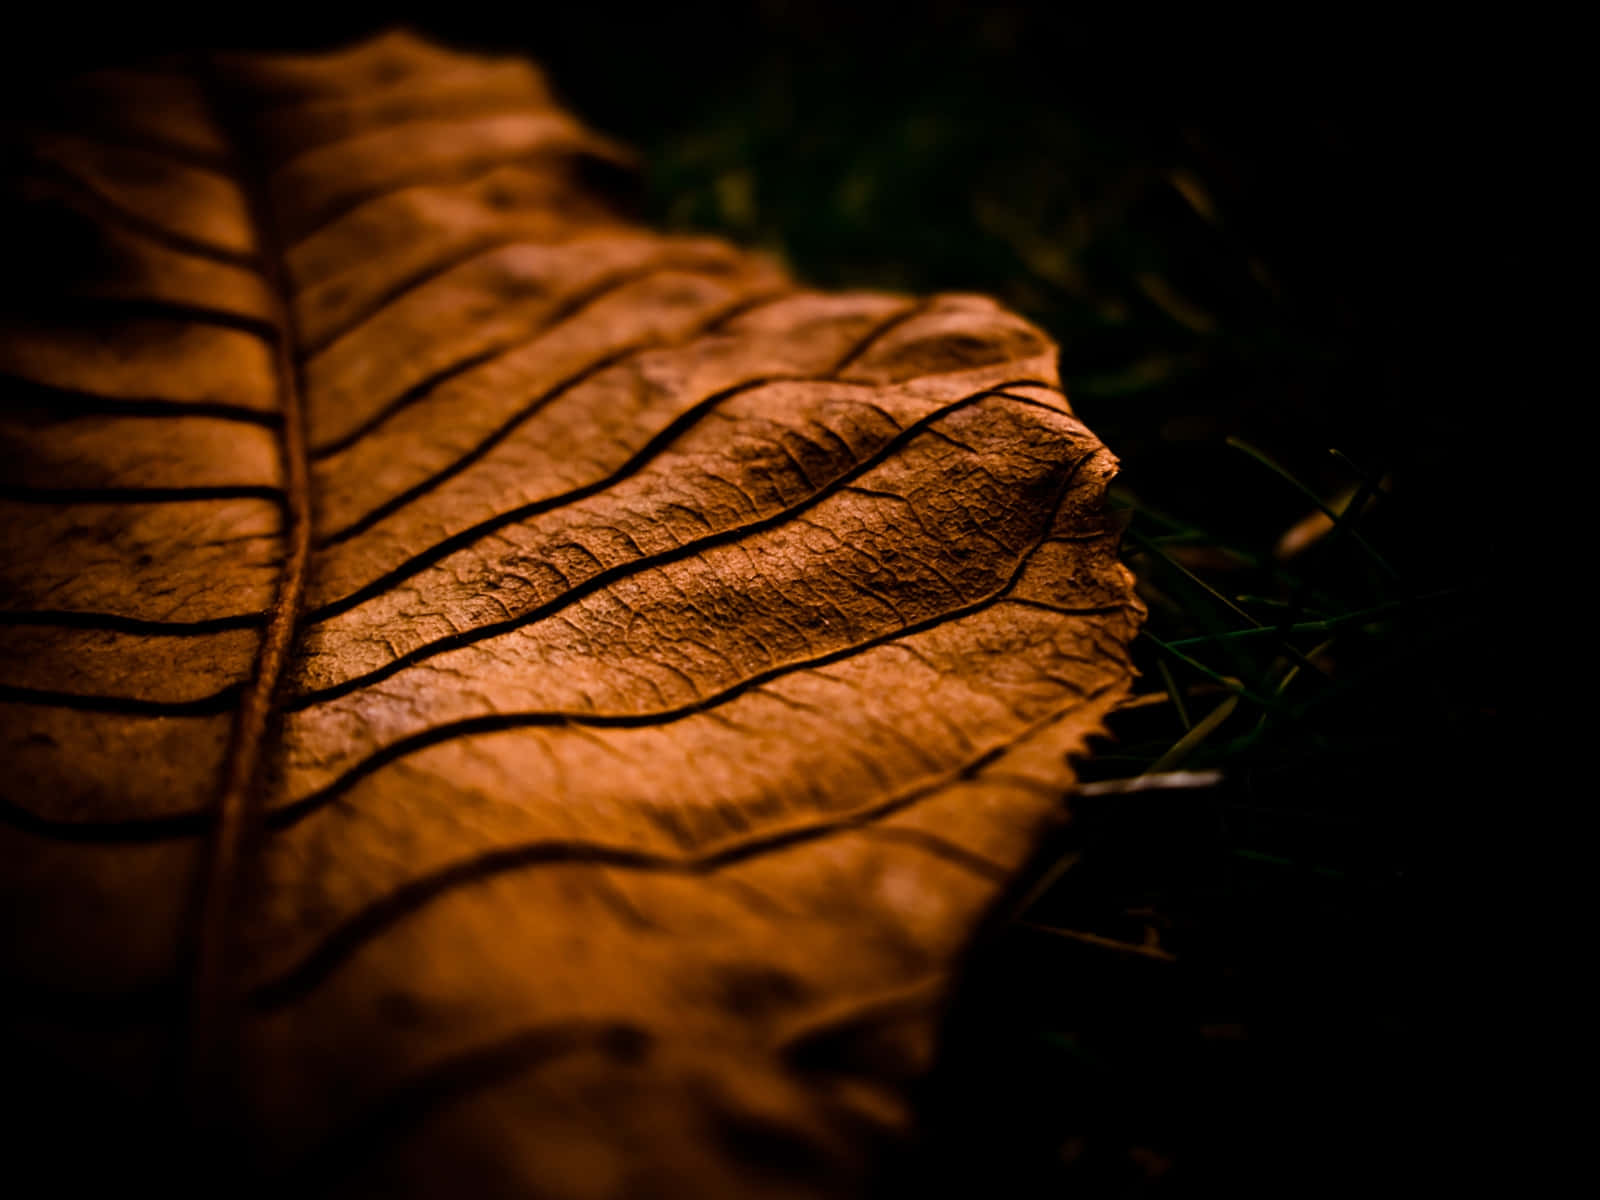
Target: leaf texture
(498,701)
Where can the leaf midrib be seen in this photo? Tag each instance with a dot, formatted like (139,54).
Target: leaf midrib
(213,992)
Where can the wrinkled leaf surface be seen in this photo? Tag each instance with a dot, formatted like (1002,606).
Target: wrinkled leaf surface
(497,700)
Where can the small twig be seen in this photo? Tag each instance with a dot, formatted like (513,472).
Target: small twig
(1151,781)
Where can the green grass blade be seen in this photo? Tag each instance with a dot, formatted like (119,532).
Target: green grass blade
(1174,691)
(1233,685)
(1288,476)
(1191,741)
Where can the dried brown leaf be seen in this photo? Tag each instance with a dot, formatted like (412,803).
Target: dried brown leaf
(509,702)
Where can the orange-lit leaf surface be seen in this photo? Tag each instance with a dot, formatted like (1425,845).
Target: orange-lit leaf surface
(496,700)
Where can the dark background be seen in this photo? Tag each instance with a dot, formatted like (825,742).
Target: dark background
(1330,231)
